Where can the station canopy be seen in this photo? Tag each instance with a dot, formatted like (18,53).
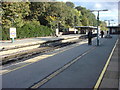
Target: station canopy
(114,29)
(91,27)
(113,26)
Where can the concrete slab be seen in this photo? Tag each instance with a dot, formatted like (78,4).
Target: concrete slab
(109,83)
(111,75)
(112,68)
(113,64)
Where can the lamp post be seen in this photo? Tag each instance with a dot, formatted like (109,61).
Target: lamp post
(98,23)
(58,26)
(74,24)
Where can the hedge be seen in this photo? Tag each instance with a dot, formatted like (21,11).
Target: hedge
(28,30)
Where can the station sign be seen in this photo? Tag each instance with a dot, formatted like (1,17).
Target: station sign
(12,32)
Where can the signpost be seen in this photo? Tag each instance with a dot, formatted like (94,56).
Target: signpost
(12,29)
(12,33)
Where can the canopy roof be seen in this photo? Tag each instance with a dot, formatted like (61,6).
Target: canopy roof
(113,26)
(86,27)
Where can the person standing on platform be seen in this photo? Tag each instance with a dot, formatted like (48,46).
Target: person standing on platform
(102,33)
(90,37)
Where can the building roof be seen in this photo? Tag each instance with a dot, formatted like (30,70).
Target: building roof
(85,27)
(113,26)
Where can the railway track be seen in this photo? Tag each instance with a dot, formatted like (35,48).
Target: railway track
(43,48)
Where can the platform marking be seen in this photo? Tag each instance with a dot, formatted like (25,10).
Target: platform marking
(43,81)
(38,58)
(104,69)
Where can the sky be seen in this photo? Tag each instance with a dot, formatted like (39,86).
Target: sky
(111,5)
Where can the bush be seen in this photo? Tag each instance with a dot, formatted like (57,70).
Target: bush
(29,29)
(5,34)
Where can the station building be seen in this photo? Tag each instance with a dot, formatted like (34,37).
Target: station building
(114,29)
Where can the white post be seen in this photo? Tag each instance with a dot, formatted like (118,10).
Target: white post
(57,32)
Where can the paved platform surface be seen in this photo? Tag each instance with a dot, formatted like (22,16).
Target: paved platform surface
(82,74)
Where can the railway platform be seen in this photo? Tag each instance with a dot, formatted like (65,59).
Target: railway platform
(78,66)
(31,41)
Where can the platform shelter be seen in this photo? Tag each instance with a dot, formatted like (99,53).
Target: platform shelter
(114,29)
(85,29)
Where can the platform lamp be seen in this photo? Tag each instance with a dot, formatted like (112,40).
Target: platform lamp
(98,23)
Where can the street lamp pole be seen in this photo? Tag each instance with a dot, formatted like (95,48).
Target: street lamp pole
(74,24)
(98,24)
(98,29)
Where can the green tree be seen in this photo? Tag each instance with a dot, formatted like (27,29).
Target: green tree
(103,25)
(38,9)
(13,9)
(87,17)
(70,4)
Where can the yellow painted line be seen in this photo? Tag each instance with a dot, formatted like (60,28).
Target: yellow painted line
(38,58)
(30,61)
(13,69)
(104,69)
(60,70)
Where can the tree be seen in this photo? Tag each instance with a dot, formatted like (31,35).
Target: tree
(91,19)
(87,17)
(38,9)
(85,21)
(103,25)
(13,9)
(70,4)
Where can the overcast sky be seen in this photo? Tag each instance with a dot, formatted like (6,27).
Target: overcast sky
(111,5)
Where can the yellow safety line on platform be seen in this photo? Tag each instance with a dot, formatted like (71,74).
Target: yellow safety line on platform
(60,70)
(104,69)
(33,60)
